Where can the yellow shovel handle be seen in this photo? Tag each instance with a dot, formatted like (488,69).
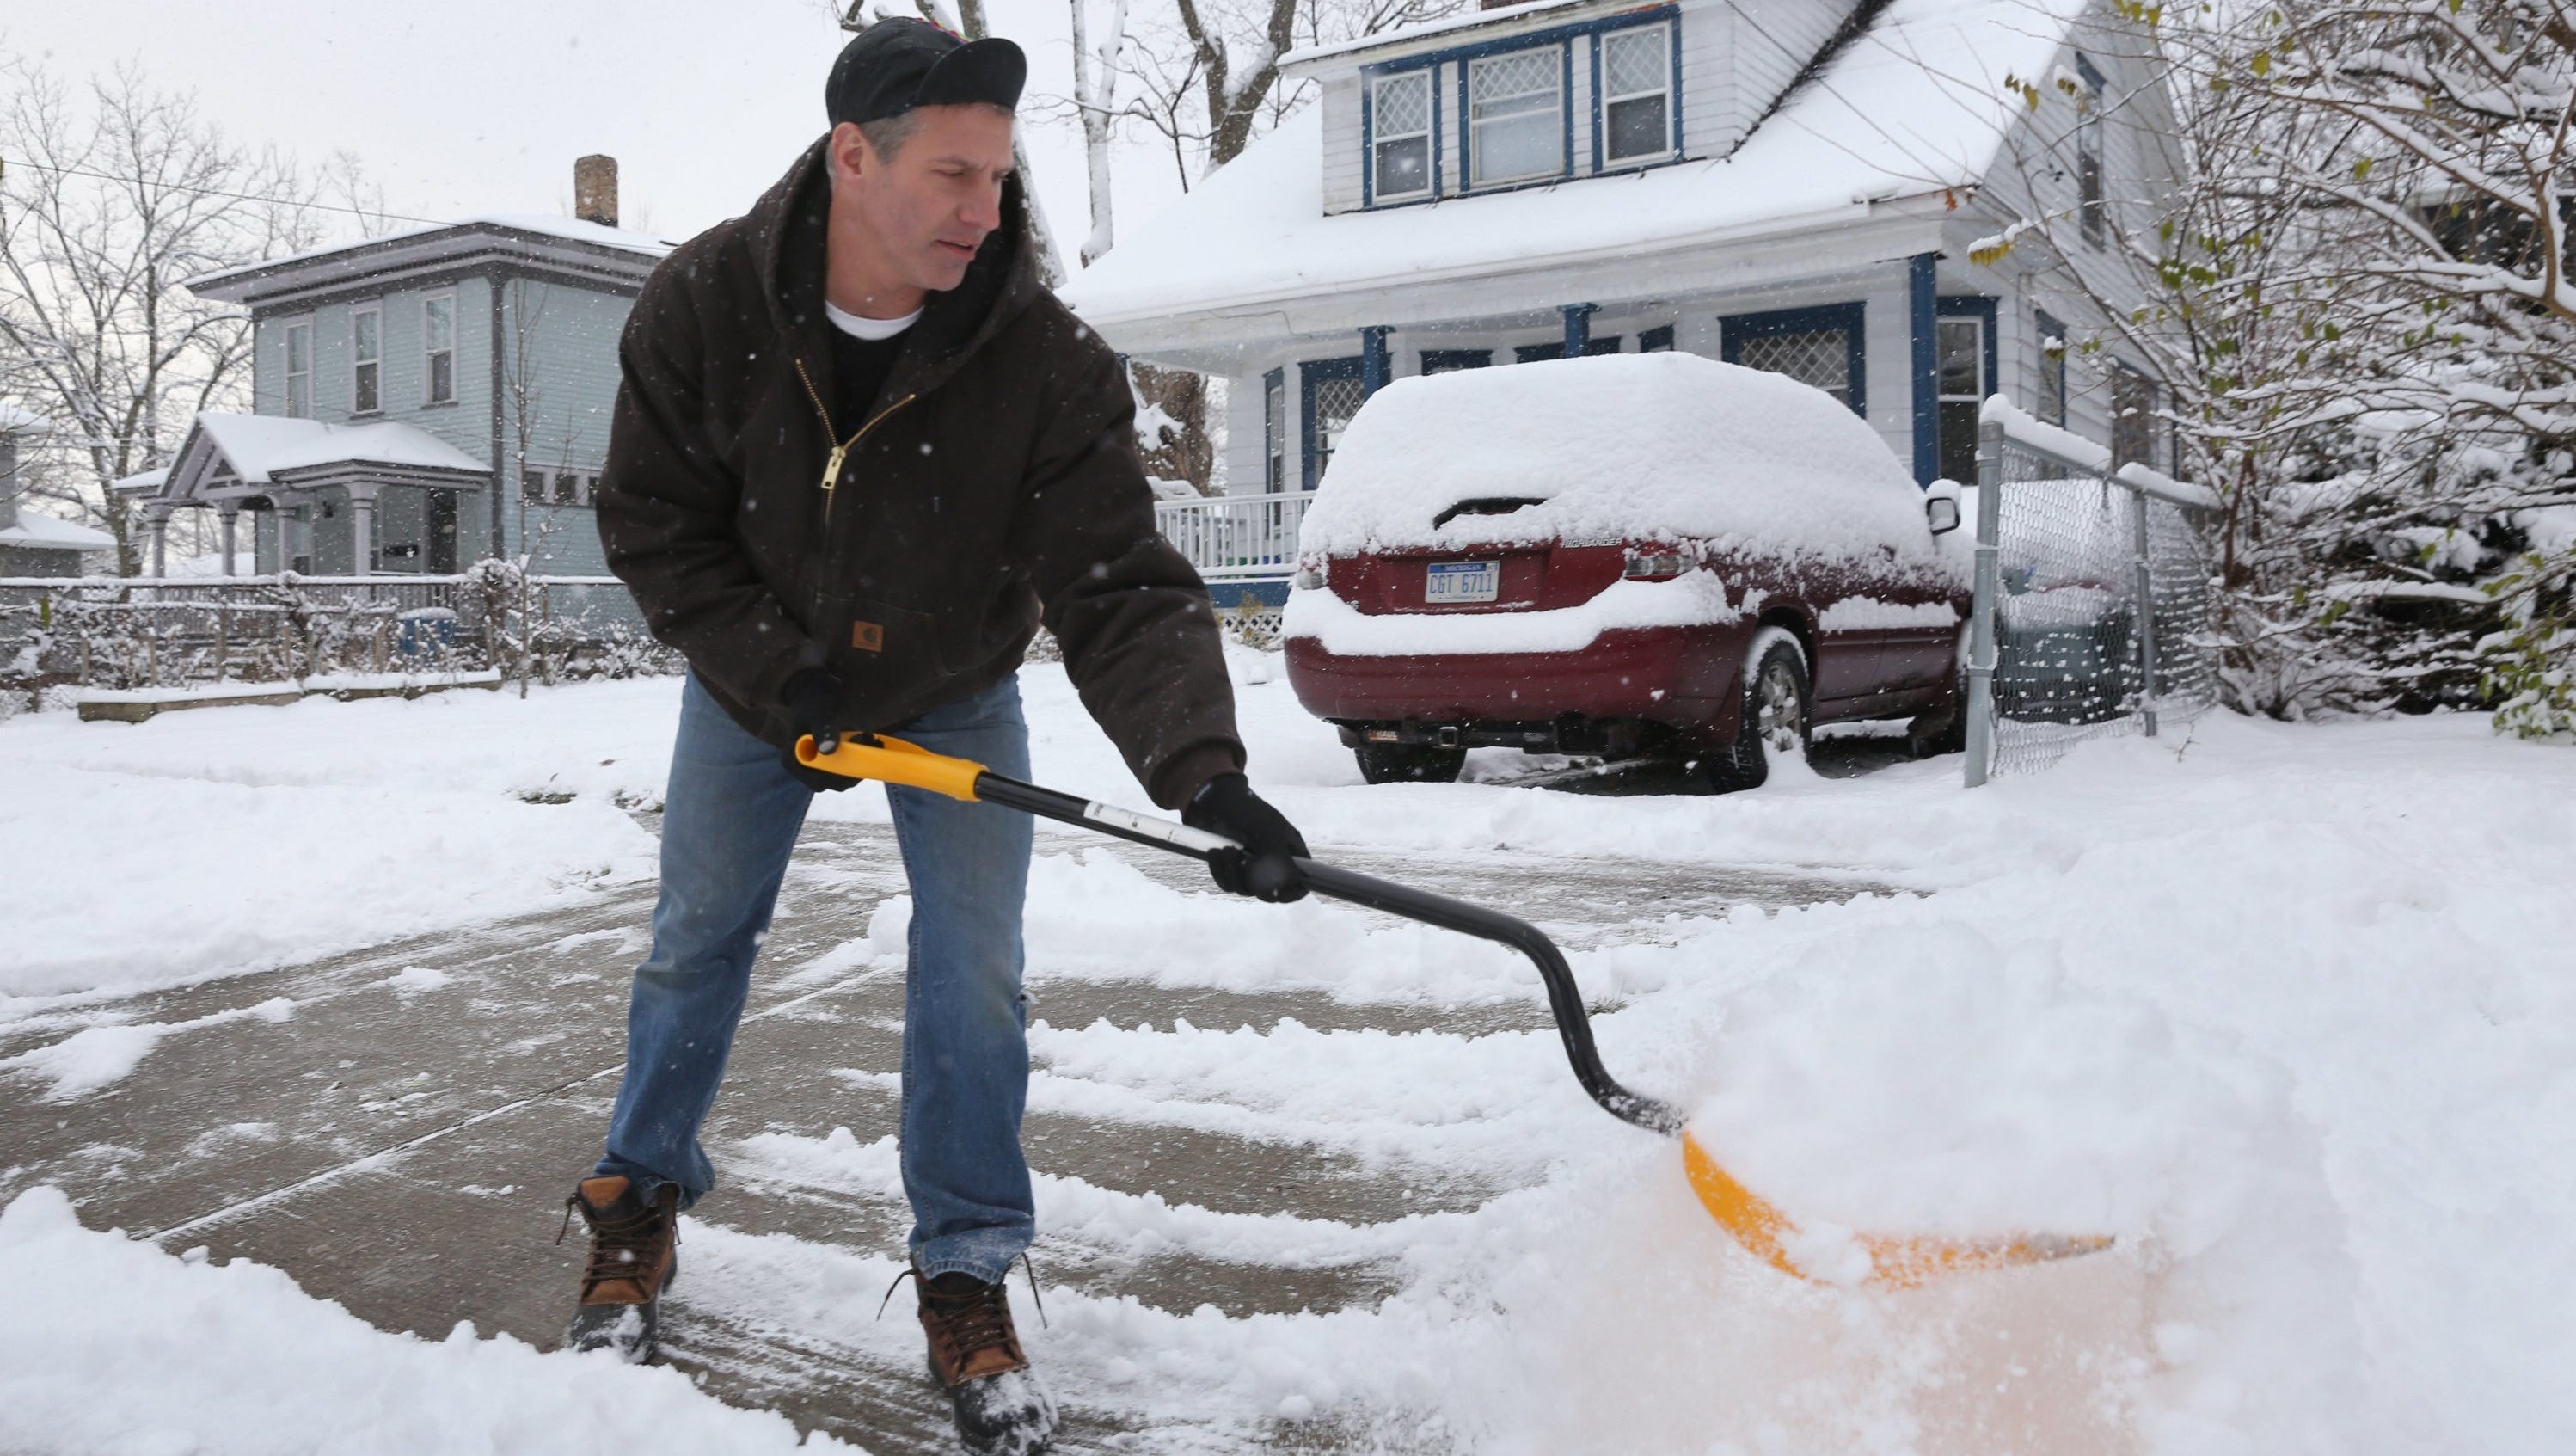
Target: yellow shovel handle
(893,761)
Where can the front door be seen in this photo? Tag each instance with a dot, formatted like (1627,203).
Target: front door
(442,533)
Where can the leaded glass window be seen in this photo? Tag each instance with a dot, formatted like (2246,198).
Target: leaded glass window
(1637,94)
(1516,115)
(1400,122)
(1818,357)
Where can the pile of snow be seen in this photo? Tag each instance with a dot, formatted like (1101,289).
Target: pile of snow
(1618,447)
(115,1346)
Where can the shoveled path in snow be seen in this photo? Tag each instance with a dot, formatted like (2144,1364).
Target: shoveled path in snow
(263,1133)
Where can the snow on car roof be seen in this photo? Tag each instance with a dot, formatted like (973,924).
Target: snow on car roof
(1616,447)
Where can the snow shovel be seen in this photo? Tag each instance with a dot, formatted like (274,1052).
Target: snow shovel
(1761,1227)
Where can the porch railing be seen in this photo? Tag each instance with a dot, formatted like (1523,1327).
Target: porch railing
(1233,537)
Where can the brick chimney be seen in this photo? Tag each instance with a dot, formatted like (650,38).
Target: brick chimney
(594,189)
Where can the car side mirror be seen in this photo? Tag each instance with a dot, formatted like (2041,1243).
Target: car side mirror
(1941,513)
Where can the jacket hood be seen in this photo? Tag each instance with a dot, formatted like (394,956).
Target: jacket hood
(788,228)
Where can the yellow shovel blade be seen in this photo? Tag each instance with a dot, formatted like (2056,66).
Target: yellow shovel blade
(1895,1263)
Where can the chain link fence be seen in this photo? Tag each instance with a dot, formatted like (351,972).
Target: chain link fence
(2092,614)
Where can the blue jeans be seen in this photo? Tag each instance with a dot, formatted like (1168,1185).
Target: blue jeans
(729,820)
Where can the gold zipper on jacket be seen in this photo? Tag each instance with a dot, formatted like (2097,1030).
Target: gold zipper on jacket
(840,451)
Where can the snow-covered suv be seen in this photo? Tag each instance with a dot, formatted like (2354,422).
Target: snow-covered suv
(1631,553)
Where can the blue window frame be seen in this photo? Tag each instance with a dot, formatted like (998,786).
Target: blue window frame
(1637,97)
(1445,361)
(1514,125)
(1274,431)
(1400,132)
(1807,344)
(1331,394)
(1963,374)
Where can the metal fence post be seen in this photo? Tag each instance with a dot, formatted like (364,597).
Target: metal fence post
(2146,613)
(1981,611)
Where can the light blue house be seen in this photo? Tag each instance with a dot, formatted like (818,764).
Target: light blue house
(421,400)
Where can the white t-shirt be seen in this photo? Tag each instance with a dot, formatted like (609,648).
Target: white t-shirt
(872,330)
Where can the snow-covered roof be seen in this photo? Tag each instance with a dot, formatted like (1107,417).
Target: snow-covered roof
(259,447)
(45,533)
(1472,20)
(18,420)
(361,256)
(1915,105)
(142,482)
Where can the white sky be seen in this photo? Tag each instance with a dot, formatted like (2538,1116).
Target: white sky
(476,106)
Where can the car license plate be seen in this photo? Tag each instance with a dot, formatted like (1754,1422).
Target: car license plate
(1462,581)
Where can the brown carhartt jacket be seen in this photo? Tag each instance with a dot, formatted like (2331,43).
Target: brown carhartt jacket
(994,484)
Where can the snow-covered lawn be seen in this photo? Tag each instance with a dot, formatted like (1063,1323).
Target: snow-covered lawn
(2290,1011)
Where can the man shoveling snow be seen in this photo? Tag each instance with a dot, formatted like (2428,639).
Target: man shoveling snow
(859,454)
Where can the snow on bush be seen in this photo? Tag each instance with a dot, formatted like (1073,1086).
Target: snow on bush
(1619,447)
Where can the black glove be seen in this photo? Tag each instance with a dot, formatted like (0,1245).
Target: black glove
(1227,805)
(811,703)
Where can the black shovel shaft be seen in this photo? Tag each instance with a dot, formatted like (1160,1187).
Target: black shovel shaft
(1573,1023)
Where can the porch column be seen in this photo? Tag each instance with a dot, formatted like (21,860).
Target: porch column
(362,530)
(226,514)
(1376,369)
(1578,327)
(156,529)
(1921,321)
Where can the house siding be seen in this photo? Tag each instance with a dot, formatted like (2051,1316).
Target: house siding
(559,385)
(464,424)
(1712,120)
(1342,142)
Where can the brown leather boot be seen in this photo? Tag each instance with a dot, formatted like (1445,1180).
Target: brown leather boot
(634,1256)
(1001,1407)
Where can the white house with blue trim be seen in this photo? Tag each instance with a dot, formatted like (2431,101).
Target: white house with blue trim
(420,400)
(1789,184)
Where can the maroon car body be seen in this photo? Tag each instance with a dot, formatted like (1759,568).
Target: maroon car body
(1878,628)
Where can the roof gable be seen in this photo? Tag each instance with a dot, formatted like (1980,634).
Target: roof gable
(579,251)
(1914,105)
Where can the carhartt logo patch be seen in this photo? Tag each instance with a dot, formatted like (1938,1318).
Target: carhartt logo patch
(867,636)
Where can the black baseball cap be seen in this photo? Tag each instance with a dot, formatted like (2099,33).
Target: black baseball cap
(895,65)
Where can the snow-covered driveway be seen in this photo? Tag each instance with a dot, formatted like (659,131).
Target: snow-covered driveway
(2287,1009)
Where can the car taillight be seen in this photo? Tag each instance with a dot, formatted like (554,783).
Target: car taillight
(1649,566)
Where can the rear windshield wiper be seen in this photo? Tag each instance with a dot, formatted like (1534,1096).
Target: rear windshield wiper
(1490,505)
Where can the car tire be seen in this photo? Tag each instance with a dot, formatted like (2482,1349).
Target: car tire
(1409,763)
(1935,733)
(1777,714)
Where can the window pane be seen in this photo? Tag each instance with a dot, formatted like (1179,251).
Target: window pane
(1656,340)
(365,335)
(1336,400)
(299,395)
(1959,440)
(1517,115)
(1404,167)
(532,485)
(1634,61)
(1403,105)
(442,323)
(1963,358)
(442,378)
(2133,416)
(1609,345)
(363,388)
(1638,128)
(567,488)
(299,348)
(1819,357)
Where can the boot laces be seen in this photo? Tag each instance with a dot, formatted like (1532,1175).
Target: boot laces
(977,1320)
(620,1248)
